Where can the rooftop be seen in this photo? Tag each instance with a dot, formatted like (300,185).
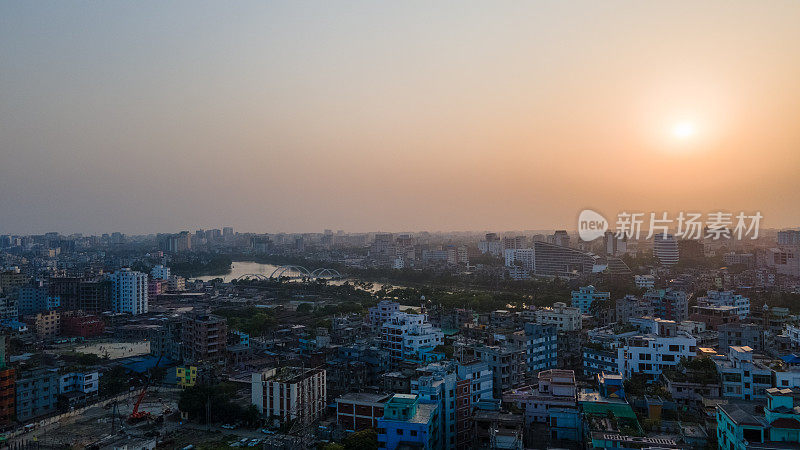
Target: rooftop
(364,397)
(739,416)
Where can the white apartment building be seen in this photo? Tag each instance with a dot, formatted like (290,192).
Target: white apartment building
(743,374)
(644,281)
(290,393)
(785,260)
(160,272)
(787,377)
(585,296)
(491,245)
(520,257)
(403,335)
(129,291)
(85,382)
(555,393)
(564,317)
(649,354)
(727,298)
(381,312)
(793,333)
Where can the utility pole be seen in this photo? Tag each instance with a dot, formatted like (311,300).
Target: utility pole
(114,417)
(208,412)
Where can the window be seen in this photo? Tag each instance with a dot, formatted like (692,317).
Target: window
(413,432)
(399,431)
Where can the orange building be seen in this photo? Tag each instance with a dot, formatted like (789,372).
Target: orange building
(7,395)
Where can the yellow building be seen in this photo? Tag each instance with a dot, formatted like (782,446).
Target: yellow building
(187,376)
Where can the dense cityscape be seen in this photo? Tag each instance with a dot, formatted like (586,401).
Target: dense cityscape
(399,225)
(217,339)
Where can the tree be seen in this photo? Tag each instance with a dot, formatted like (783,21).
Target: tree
(362,440)
(305,308)
(333,446)
(196,399)
(251,416)
(114,381)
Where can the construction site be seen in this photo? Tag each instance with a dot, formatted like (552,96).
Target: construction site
(103,424)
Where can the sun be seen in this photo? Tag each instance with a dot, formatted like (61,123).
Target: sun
(683,130)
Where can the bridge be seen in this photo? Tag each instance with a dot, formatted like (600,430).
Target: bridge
(293,272)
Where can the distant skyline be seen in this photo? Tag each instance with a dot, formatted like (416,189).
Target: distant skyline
(148,117)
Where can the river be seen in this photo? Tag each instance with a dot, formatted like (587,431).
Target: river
(239,268)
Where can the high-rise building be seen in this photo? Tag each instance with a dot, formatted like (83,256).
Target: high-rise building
(405,335)
(559,261)
(520,258)
(541,346)
(94,296)
(11,280)
(37,393)
(614,245)
(67,289)
(491,245)
(382,246)
(32,300)
(381,312)
(665,248)
(46,324)
(9,307)
(204,338)
(561,237)
(513,242)
(160,272)
(457,389)
(507,363)
(175,243)
(290,393)
(668,303)
(129,291)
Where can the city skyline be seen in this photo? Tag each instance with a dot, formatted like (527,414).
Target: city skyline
(452,116)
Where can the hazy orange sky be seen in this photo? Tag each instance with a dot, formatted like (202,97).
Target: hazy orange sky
(297,116)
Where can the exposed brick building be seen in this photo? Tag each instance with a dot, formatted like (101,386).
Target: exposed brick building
(357,410)
(81,325)
(204,338)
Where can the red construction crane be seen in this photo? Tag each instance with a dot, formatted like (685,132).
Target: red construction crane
(136,415)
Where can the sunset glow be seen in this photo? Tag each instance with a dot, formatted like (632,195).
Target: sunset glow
(683,130)
(399,116)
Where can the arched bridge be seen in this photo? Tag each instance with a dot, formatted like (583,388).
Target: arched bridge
(293,272)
